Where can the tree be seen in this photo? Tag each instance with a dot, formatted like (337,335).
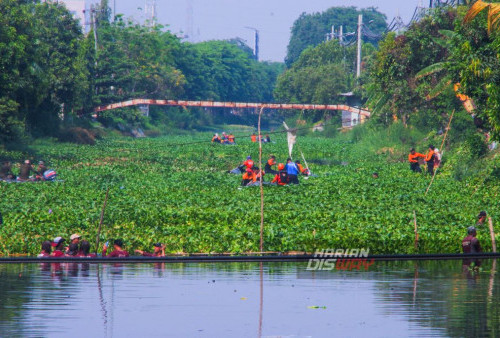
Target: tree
(393,89)
(309,30)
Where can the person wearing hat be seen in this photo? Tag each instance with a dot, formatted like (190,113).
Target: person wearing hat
(58,244)
(118,250)
(74,239)
(413,159)
(40,170)
(481,218)
(158,251)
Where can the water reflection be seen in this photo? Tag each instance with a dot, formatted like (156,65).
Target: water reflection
(223,299)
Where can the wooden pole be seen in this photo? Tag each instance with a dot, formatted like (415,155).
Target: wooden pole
(261,186)
(416,229)
(442,143)
(101,220)
(492,234)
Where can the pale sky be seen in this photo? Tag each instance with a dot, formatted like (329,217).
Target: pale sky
(224,19)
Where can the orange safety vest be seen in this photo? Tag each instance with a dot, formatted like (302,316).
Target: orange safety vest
(247,176)
(414,158)
(254,138)
(277,178)
(271,162)
(231,138)
(430,156)
(301,168)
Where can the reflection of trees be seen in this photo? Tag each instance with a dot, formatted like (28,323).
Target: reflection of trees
(429,295)
(14,294)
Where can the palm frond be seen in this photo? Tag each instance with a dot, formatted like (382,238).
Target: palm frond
(493,17)
(434,68)
(444,84)
(377,102)
(475,9)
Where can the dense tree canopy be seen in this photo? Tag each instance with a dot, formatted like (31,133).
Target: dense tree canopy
(309,30)
(49,69)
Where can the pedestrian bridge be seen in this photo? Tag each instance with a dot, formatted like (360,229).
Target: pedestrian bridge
(214,104)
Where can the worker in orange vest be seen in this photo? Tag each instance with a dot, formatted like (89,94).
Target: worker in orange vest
(248,177)
(248,163)
(281,177)
(413,159)
(303,171)
(270,163)
(258,173)
(216,138)
(230,138)
(430,158)
(253,138)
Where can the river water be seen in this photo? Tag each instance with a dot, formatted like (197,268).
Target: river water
(390,299)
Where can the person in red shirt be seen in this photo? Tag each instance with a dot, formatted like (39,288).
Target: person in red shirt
(46,249)
(430,158)
(58,243)
(85,250)
(159,251)
(253,138)
(413,159)
(281,177)
(118,250)
(470,244)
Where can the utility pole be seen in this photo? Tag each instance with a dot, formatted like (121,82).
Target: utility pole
(358,64)
(341,34)
(93,19)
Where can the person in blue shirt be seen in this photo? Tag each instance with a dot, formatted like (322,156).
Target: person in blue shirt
(292,171)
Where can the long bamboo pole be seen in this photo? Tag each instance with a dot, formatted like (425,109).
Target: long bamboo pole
(416,228)
(492,234)
(101,220)
(261,186)
(442,151)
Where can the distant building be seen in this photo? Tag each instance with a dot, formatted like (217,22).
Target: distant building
(350,119)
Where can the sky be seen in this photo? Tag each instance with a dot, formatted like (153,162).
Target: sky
(225,19)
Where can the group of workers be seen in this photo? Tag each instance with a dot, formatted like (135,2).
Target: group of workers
(26,172)
(286,174)
(81,248)
(224,138)
(265,139)
(432,159)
